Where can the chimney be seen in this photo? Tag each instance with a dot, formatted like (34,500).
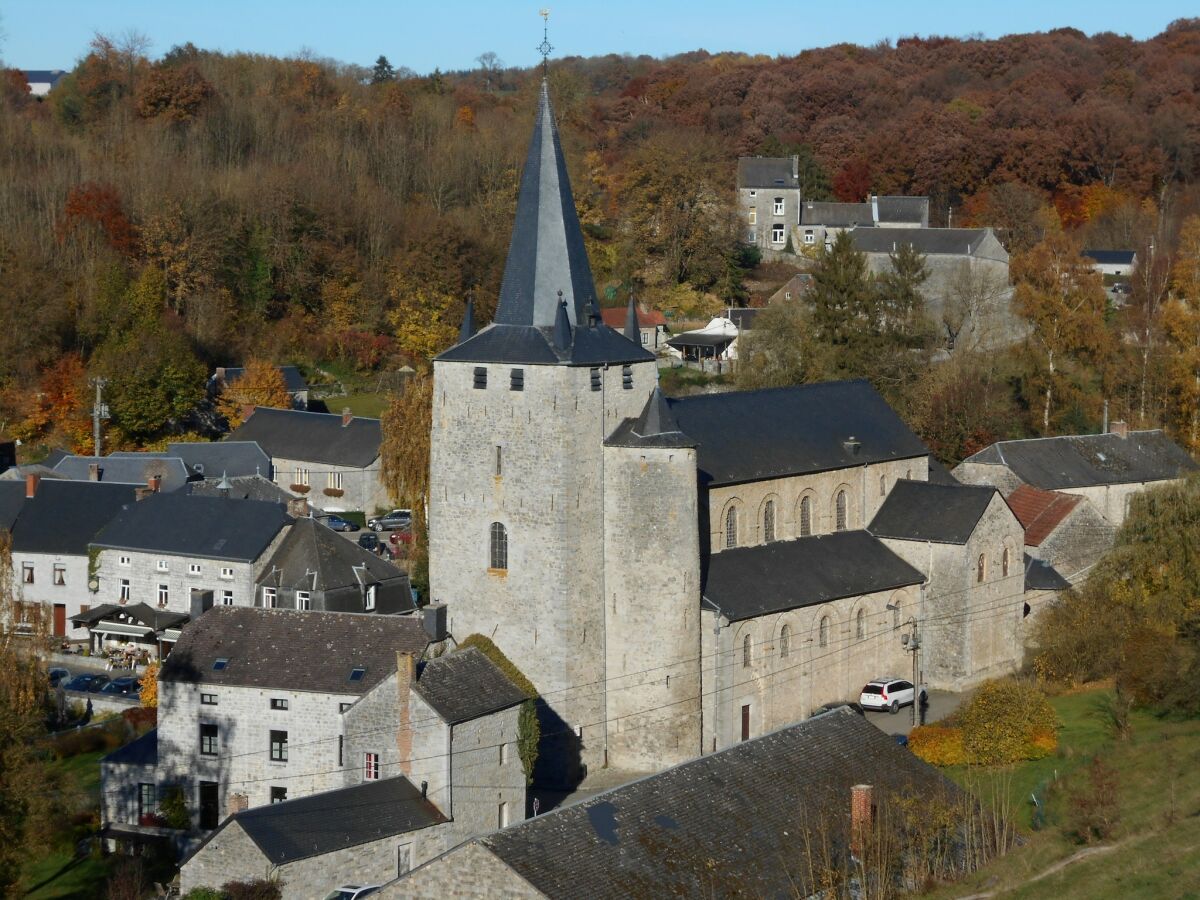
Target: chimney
(406,676)
(346,416)
(862,813)
(875,208)
(94,471)
(31,485)
(297,508)
(220,376)
(154,483)
(238,802)
(247,411)
(795,167)
(1120,428)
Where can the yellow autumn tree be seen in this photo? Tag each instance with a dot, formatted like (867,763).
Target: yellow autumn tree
(1181,328)
(261,384)
(404,461)
(149,685)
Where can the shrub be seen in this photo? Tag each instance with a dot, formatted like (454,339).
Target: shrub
(259,889)
(938,745)
(203,893)
(140,717)
(1007,720)
(173,808)
(149,686)
(1095,811)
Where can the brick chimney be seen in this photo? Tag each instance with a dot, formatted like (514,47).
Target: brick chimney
(862,814)
(346,416)
(406,676)
(238,803)
(1120,428)
(94,471)
(154,483)
(31,485)
(297,508)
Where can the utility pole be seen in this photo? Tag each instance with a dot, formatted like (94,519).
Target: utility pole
(98,411)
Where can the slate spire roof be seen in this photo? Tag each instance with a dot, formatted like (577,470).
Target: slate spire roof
(631,323)
(655,427)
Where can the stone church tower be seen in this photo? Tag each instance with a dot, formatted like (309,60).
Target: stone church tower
(519,547)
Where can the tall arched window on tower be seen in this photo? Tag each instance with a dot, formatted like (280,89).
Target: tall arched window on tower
(1004,563)
(498,549)
(805,517)
(785,640)
(746,652)
(823,632)
(860,624)
(981,568)
(768,521)
(840,512)
(731,527)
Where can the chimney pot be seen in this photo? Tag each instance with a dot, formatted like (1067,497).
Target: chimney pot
(862,813)
(346,416)
(154,483)
(31,485)
(94,471)
(1120,428)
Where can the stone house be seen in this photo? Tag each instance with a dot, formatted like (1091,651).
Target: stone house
(1117,263)
(1106,469)
(50,536)
(332,460)
(793,289)
(210,460)
(297,387)
(769,199)
(735,823)
(1062,530)
(651,324)
(314,568)
(821,221)
(162,474)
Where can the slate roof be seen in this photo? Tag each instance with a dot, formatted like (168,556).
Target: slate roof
(302,651)
(527,345)
(140,752)
(12,498)
(314,557)
(614,317)
(135,468)
(733,823)
(1041,576)
(742,318)
(903,209)
(292,379)
(752,581)
(1110,257)
(43,76)
(244,487)
(766,172)
(333,820)
(199,527)
(654,427)
(939,474)
(772,433)
(466,685)
(64,516)
(923,511)
(836,215)
(701,339)
(1088,460)
(150,616)
(214,459)
(930,241)
(311,437)
(1040,512)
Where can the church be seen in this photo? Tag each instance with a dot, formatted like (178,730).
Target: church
(678,575)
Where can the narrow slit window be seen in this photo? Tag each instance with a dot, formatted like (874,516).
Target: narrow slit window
(769,521)
(498,546)
(731,535)
(499,461)
(805,517)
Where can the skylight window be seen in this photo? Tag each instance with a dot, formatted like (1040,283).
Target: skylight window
(357,673)
(220,664)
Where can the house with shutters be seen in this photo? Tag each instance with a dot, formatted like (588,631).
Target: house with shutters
(769,198)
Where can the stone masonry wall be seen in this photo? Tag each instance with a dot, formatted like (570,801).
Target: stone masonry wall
(73,594)
(362,488)
(762,201)
(1077,543)
(469,871)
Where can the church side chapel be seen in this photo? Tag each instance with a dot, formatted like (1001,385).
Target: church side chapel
(678,575)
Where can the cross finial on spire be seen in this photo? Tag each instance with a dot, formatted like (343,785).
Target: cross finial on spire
(545,48)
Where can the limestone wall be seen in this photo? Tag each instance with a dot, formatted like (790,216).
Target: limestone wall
(468,871)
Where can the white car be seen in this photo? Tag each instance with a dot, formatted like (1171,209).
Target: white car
(887,693)
(352,891)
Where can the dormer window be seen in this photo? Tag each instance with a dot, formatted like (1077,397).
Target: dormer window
(371,592)
(357,673)
(220,664)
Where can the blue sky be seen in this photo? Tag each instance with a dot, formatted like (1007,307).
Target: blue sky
(449,35)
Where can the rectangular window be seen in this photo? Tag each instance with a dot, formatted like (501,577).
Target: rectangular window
(503,754)
(279,703)
(480,378)
(502,816)
(777,234)
(809,237)
(268,597)
(27,573)
(403,859)
(778,206)
(193,568)
(164,594)
(208,740)
(303,600)
(279,744)
(60,574)
(147,800)
(162,566)
(371,594)
(595,379)
(371,766)
(301,476)
(499,467)
(123,560)
(278,794)
(627,378)
(124,590)
(341,749)
(334,481)
(752,237)
(226,571)
(753,194)
(227,598)
(753,216)
(208,699)
(516,380)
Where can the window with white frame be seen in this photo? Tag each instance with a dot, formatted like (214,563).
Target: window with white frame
(269,597)
(227,597)
(754,217)
(334,480)
(60,574)
(122,560)
(193,568)
(371,766)
(27,573)
(778,206)
(164,594)
(226,571)
(752,236)
(162,566)
(372,590)
(777,234)
(753,194)
(301,476)
(124,590)
(303,600)
(809,236)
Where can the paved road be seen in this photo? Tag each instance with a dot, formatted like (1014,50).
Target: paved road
(941,704)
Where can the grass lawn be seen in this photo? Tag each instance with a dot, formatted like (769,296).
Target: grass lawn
(1156,848)
(368,404)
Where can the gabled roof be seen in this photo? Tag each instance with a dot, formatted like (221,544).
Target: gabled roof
(243,487)
(64,516)
(752,581)
(302,651)
(12,498)
(923,511)
(199,527)
(214,459)
(43,76)
(835,215)
(312,557)
(134,468)
(766,172)
(655,427)
(1040,512)
(772,433)
(465,685)
(903,209)
(1088,460)
(140,752)
(292,379)
(334,820)
(935,241)
(614,317)
(733,823)
(1041,576)
(152,617)
(312,437)
(1110,257)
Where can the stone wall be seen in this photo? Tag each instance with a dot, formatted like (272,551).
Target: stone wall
(73,595)
(467,871)
(1000,477)
(1077,543)
(762,201)
(362,488)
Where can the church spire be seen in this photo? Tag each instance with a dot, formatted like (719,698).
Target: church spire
(547,253)
(632,331)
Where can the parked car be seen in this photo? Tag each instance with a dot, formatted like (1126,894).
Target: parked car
(830,707)
(888,693)
(369,541)
(401,536)
(58,675)
(87,683)
(1122,287)
(126,684)
(337,523)
(397,518)
(352,892)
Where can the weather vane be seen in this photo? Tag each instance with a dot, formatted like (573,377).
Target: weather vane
(545,48)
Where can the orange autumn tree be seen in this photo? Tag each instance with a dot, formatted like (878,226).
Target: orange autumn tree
(58,411)
(261,384)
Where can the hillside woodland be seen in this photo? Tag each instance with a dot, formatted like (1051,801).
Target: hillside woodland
(160,216)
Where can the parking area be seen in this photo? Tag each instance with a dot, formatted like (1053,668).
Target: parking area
(941,704)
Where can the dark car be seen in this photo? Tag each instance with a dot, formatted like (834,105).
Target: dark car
(58,675)
(337,523)
(126,684)
(397,518)
(369,541)
(88,683)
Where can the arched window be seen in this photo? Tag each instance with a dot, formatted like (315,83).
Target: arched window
(805,517)
(499,546)
(840,512)
(860,624)
(882,485)
(823,632)
(746,652)
(981,568)
(1004,563)
(785,640)
(768,521)
(731,527)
